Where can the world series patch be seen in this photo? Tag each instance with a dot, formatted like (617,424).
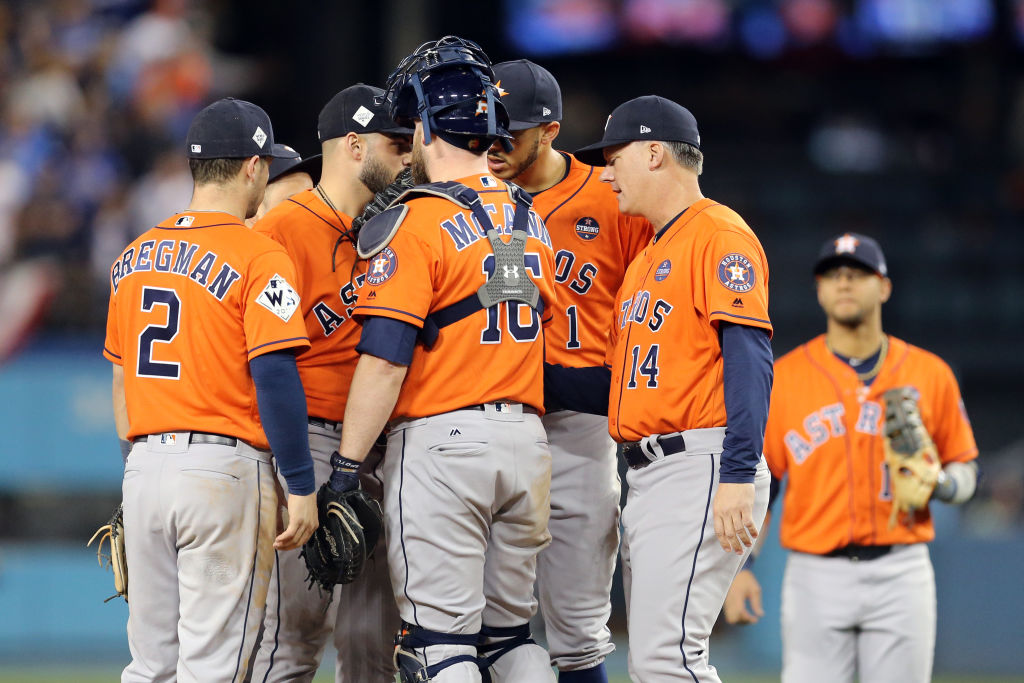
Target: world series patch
(736,273)
(382,266)
(279,297)
(587,228)
(664,268)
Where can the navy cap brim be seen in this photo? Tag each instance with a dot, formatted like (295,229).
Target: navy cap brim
(594,154)
(313,165)
(395,130)
(834,261)
(524,125)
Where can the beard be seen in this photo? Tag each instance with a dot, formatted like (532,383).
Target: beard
(255,200)
(418,166)
(375,175)
(526,163)
(851,319)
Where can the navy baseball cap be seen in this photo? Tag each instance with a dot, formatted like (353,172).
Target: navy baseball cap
(644,118)
(851,248)
(230,129)
(529,92)
(357,109)
(291,161)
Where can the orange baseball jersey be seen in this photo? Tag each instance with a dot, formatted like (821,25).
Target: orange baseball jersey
(825,433)
(666,362)
(309,231)
(438,257)
(593,244)
(191,302)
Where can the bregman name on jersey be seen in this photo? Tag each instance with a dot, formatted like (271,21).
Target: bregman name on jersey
(176,257)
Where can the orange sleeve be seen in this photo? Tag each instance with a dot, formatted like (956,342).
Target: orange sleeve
(735,288)
(400,280)
(112,343)
(636,234)
(270,306)
(953,435)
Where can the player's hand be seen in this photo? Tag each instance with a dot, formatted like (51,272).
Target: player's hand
(302,522)
(734,517)
(744,590)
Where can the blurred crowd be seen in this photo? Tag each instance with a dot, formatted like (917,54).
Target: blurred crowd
(96,96)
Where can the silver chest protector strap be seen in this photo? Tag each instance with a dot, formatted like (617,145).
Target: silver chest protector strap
(509,281)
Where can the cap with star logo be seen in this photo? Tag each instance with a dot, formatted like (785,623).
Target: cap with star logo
(230,129)
(854,249)
(529,92)
(644,118)
(357,109)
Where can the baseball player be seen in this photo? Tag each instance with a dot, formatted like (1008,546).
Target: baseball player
(593,244)
(203,334)
(693,334)
(363,150)
(289,174)
(467,470)
(858,597)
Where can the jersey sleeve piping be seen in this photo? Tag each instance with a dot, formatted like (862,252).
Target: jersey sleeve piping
(362,310)
(715,314)
(280,344)
(111,356)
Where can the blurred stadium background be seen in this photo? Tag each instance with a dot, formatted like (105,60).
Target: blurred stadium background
(903,119)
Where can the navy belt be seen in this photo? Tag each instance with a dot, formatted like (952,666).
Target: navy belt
(860,552)
(637,459)
(201,437)
(326,424)
(483,406)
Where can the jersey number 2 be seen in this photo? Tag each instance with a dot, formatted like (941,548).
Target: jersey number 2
(157,296)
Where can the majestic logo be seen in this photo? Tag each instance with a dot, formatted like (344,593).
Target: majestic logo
(847,244)
(184,221)
(737,303)
(664,268)
(736,273)
(279,297)
(587,228)
(260,137)
(362,116)
(644,129)
(382,267)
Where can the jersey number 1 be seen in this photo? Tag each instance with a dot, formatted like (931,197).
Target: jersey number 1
(157,296)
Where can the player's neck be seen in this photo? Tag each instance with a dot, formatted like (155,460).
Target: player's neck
(345,194)
(216,197)
(544,173)
(860,341)
(455,166)
(675,194)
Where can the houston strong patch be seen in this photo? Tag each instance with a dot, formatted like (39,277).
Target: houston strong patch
(279,297)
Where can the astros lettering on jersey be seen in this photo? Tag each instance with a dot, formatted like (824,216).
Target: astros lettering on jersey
(824,433)
(707,238)
(308,229)
(595,244)
(196,377)
(440,243)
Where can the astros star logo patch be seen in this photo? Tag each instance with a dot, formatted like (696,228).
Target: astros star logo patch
(846,244)
(382,266)
(736,273)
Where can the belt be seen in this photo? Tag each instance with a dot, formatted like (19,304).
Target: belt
(326,424)
(860,552)
(200,437)
(502,407)
(637,459)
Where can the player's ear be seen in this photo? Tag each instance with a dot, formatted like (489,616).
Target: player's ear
(251,167)
(356,146)
(886,289)
(655,152)
(550,132)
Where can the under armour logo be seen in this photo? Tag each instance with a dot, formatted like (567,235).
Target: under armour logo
(644,129)
(511,271)
(455,432)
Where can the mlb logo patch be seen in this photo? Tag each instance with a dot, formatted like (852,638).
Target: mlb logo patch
(184,221)
(168,439)
(488,181)
(197,149)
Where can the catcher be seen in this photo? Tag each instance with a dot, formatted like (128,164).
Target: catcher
(869,430)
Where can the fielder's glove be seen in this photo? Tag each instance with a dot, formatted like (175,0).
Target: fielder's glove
(911,455)
(350,525)
(113,533)
(383,199)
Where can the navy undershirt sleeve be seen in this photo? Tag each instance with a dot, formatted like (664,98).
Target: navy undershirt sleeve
(387,338)
(584,390)
(747,376)
(282,405)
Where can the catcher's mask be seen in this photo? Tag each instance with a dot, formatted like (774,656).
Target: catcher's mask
(448,84)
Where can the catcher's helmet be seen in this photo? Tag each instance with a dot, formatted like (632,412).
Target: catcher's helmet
(448,84)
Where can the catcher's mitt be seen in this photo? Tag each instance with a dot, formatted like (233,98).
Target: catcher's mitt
(910,453)
(383,199)
(113,533)
(350,524)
